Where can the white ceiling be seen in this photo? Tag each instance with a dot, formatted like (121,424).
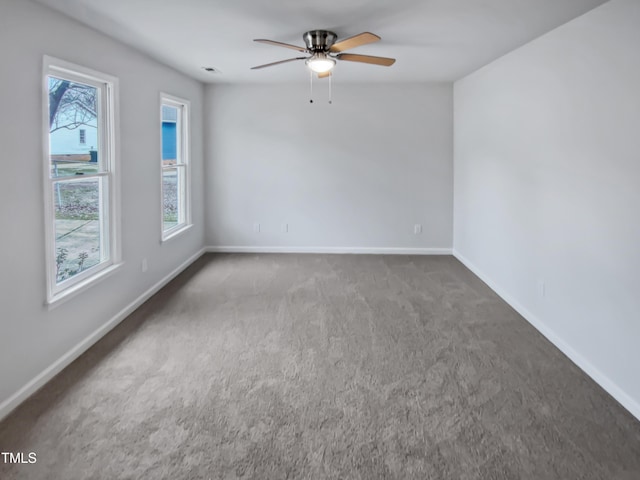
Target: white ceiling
(432,40)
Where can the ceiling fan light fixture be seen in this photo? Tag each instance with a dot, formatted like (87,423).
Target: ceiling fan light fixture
(321,63)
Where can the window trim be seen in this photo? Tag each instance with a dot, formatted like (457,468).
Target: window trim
(109,146)
(184,113)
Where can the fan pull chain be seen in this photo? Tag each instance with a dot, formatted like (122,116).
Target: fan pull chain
(330,80)
(310,86)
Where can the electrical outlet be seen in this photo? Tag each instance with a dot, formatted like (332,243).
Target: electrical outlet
(417,228)
(144,266)
(256,227)
(285,227)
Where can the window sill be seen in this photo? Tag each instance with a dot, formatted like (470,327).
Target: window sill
(168,235)
(59,298)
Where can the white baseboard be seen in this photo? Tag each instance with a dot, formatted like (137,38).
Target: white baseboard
(56,367)
(342,250)
(587,367)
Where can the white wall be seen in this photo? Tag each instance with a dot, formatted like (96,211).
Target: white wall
(356,174)
(33,338)
(547,188)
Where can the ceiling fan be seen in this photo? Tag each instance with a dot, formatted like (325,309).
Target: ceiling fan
(324,51)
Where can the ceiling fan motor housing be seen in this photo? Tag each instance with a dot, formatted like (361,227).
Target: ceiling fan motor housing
(319,40)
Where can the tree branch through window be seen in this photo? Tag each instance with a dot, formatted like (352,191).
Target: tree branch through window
(71,105)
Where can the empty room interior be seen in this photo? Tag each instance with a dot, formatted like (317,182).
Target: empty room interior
(344,240)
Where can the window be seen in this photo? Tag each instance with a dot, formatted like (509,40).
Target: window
(174,117)
(80,181)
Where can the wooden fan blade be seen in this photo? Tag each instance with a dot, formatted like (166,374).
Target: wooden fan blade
(353,42)
(280,44)
(278,63)
(324,74)
(350,57)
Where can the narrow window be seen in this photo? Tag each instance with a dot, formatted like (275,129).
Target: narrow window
(79,179)
(174,116)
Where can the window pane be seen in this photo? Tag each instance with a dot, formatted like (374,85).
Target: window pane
(77,226)
(170,198)
(175,204)
(170,135)
(73,127)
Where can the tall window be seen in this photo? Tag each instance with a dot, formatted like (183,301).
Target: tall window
(174,117)
(79,176)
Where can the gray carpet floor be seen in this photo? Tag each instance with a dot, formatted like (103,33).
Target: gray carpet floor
(323,366)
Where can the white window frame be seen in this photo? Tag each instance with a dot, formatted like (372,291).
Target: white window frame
(183,143)
(110,194)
